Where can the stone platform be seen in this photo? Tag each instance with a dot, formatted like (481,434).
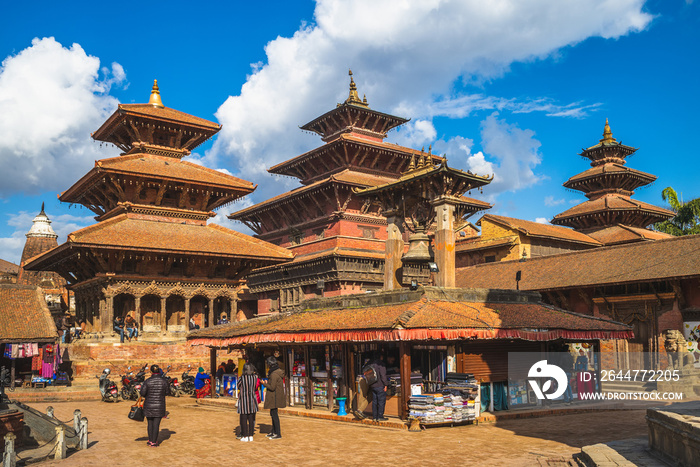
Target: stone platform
(674,433)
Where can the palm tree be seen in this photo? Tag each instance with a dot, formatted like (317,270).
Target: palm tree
(687,218)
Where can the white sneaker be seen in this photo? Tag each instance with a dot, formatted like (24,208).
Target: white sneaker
(245,440)
(250,439)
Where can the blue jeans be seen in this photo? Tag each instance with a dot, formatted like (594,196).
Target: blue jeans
(133,332)
(121,332)
(378,402)
(568,395)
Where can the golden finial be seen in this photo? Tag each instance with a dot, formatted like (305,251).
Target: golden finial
(607,134)
(426,160)
(364,99)
(430,149)
(353,97)
(155,96)
(412,165)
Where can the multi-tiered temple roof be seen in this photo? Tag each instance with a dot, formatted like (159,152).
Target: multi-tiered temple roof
(324,218)
(609,184)
(152,238)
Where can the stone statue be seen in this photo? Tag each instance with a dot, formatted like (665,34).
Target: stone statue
(677,350)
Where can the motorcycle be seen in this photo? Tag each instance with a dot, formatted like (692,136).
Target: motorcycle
(173,384)
(108,389)
(131,385)
(187,382)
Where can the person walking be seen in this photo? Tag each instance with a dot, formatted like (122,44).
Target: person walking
(247,401)
(275,397)
(379,389)
(153,391)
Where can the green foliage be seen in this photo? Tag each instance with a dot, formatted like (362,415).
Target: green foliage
(687,218)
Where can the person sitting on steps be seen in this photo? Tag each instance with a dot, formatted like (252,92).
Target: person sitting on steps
(131,326)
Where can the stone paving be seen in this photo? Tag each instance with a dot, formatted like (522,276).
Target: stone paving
(202,435)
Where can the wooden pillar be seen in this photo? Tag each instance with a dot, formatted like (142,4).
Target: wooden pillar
(393,266)
(211,313)
(106,315)
(187,311)
(445,242)
(233,307)
(212,373)
(405,372)
(163,315)
(137,311)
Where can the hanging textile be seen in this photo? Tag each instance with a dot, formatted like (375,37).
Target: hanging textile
(485,397)
(500,396)
(8,351)
(15,350)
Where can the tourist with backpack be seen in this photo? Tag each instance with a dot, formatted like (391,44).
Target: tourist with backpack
(378,388)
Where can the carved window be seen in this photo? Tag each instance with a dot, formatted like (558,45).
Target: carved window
(490,259)
(369,232)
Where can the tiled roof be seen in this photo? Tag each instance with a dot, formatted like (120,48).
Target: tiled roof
(348,138)
(171,168)
(145,235)
(163,168)
(671,258)
(24,315)
(620,233)
(477,243)
(166,113)
(536,229)
(412,320)
(6,266)
(349,177)
(612,202)
(610,169)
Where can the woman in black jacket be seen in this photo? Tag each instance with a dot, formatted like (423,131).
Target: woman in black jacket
(153,391)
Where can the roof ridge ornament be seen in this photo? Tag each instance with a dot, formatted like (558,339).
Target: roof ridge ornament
(607,134)
(155,100)
(353,96)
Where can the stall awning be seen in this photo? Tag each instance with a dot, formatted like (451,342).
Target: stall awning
(420,320)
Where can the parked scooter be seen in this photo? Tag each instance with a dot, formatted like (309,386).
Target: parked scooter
(173,384)
(187,382)
(131,384)
(108,389)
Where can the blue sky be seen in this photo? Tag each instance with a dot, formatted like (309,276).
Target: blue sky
(511,87)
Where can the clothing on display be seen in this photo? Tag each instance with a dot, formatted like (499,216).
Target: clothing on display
(458,401)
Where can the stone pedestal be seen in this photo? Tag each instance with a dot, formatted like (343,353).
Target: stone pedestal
(11,421)
(674,433)
(688,384)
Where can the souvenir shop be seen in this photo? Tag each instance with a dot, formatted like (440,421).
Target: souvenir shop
(34,364)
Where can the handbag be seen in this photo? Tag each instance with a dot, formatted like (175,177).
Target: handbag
(136,412)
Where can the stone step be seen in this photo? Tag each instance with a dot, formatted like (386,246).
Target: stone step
(625,453)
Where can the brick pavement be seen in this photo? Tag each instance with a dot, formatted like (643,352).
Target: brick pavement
(205,436)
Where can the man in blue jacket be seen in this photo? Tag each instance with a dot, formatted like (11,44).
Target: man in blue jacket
(379,389)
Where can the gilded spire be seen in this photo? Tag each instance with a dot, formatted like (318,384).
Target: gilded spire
(42,208)
(607,134)
(412,165)
(354,97)
(155,96)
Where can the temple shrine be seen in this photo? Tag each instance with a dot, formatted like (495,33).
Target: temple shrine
(610,215)
(152,252)
(337,237)
(40,239)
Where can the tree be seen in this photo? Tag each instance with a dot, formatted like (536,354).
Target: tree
(687,218)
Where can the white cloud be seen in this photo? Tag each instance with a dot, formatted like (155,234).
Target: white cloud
(551,202)
(63,224)
(51,99)
(542,220)
(407,57)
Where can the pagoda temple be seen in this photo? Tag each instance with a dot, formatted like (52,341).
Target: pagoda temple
(610,215)
(337,237)
(152,252)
